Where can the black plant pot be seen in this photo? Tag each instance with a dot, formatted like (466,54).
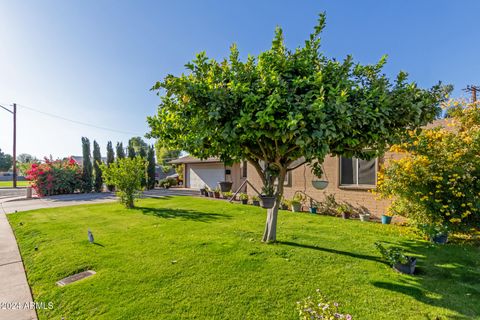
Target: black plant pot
(408,268)
(256,203)
(440,238)
(267,202)
(244,201)
(225,186)
(284,207)
(202,192)
(346,215)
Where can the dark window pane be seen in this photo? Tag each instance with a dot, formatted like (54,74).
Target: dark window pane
(244,169)
(347,169)
(366,172)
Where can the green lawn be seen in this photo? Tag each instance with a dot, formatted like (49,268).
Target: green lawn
(9,184)
(184,257)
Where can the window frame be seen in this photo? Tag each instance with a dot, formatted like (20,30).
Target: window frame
(356,185)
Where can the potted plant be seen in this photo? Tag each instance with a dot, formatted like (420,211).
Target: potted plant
(243,198)
(206,194)
(202,190)
(216,192)
(284,204)
(387,217)
(225,186)
(227,195)
(397,259)
(436,233)
(296,203)
(313,207)
(256,201)
(267,198)
(364,214)
(210,193)
(345,210)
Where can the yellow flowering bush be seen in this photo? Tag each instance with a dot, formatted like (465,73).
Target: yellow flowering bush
(438,179)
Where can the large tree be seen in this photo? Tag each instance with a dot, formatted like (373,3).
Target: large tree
(6,161)
(285,108)
(97,160)
(164,155)
(87,169)
(110,160)
(138,145)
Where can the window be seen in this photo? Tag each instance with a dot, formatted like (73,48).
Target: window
(244,169)
(354,171)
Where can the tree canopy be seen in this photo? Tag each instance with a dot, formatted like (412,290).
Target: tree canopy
(284,105)
(5,161)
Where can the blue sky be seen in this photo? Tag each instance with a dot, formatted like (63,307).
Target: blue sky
(94,61)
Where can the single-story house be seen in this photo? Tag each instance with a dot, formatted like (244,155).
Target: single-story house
(209,172)
(349,179)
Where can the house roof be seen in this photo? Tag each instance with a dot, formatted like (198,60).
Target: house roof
(190,159)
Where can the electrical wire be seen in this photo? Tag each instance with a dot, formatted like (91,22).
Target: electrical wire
(79,122)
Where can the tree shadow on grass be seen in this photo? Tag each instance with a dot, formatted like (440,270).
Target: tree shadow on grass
(345,253)
(167,213)
(448,277)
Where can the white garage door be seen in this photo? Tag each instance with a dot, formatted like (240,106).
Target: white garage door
(200,175)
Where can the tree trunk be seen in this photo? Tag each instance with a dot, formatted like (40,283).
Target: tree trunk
(270,233)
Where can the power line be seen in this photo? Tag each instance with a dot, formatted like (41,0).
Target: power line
(79,122)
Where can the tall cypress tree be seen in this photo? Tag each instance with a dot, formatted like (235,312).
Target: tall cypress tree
(151,168)
(110,159)
(143,154)
(87,166)
(131,152)
(120,151)
(97,160)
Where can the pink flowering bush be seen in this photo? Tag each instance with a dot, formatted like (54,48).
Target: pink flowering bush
(55,177)
(320,308)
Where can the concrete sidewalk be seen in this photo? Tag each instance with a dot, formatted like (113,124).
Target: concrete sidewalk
(15,295)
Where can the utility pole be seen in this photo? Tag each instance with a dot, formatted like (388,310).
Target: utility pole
(14,113)
(14,145)
(473,89)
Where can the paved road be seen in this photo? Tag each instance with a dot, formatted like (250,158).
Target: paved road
(55,201)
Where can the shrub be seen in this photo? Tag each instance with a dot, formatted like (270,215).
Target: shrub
(243,196)
(438,180)
(126,175)
(55,177)
(329,205)
(392,255)
(320,308)
(167,183)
